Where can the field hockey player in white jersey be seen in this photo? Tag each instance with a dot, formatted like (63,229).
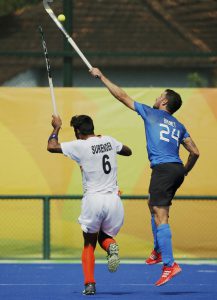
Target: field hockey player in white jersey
(102,212)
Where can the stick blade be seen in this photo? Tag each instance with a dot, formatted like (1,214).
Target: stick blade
(47,6)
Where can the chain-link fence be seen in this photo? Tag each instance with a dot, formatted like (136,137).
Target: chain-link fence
(39,227)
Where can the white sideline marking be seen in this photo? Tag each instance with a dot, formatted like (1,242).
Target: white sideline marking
(171,284)
(121,284)
(103,261)
(207,271)
(38,284)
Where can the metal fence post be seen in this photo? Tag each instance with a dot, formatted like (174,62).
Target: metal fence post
(46,227)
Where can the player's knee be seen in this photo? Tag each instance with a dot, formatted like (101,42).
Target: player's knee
(160,219)
(90,239)
(102,236)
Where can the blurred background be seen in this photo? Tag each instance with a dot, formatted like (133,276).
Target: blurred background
(139,43)
(144,46)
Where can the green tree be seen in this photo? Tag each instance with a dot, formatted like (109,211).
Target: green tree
(9,6)
(196,80)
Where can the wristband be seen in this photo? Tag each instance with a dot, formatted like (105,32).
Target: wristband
(53,136)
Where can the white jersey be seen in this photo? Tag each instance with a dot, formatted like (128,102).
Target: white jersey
(97,159)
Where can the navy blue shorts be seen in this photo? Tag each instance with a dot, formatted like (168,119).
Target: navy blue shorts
(165,180)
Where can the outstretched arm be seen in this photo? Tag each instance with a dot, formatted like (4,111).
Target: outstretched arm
(193,154)
(53,144)
(115,90)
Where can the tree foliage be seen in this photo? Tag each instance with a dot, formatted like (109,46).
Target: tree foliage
(196,80)
(9,6)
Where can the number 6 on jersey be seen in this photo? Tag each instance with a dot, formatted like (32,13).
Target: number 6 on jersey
(106,164)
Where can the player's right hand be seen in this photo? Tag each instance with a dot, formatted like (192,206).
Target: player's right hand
(96,73)
(56,121)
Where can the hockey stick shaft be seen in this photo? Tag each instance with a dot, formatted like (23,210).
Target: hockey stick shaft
(69,39)
(50,81)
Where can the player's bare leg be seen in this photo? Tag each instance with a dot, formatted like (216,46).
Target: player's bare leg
(110,246)
(88,262)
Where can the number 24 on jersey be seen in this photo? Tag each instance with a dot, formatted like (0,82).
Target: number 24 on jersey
(166,134)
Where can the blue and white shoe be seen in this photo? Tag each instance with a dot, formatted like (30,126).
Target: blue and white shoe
(89,289)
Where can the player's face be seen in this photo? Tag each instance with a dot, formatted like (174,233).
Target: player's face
(159,100)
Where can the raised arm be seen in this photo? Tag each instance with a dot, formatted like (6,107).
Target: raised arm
(193,154)
(115,90)
(53,144)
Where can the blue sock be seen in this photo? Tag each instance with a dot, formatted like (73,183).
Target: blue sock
(154,231)
(164,238)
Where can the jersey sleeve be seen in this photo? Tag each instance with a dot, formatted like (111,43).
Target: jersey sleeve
(185,134)
(117,145)
(142,109)
(72,150)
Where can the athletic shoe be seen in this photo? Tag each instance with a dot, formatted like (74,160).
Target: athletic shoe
(154,258)
(168,273)
(113,259)
(89,289)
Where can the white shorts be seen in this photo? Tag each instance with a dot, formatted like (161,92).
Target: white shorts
(101,212)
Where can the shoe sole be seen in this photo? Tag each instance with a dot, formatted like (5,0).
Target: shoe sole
(154,262)
(113,259)
(176,273)
(88,294)
(113,263)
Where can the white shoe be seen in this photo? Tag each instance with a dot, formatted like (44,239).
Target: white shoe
(113,259)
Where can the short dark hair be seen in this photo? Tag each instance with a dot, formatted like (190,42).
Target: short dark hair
(83,123)
(174,101)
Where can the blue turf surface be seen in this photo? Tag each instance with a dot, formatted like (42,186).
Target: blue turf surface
(132,281)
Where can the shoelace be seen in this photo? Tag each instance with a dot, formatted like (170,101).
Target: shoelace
(166,273)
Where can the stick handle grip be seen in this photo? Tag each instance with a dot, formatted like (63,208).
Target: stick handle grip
(52,96)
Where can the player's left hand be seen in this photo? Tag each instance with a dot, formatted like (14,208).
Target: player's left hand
(56,122)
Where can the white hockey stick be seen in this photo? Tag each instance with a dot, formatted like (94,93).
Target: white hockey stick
(60,26)
(48,71)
